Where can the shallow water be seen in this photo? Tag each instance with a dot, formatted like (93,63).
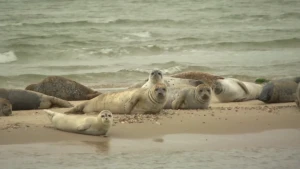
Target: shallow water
(271,149)
(117,42)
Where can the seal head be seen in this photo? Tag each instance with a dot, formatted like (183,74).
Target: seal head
(267,93)
(203,93)
(158,93)
(5,107)
(106,117)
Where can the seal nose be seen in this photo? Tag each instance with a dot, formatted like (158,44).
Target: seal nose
(205,97)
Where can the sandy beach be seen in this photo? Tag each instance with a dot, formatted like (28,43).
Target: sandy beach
(221,118)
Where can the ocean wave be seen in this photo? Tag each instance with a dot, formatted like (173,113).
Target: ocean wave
(292,15)
(8,57)
(142,34)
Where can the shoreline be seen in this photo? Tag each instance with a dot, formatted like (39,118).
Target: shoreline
(33,126)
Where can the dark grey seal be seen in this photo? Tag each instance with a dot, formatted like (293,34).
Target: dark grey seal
(28,100)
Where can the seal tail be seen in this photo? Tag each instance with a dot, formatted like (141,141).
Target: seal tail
(60,102)
(50,113)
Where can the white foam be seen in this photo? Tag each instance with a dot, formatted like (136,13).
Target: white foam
(142,34)
(8,57)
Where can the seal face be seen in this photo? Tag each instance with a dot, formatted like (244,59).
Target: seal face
(138,100)
(63,88)
(298,95)
(279,91)
(28,100)
(234,90)
(189,97)
(155,77)
(5,107)
(89,125)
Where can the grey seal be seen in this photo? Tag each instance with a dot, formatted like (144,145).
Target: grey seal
(5,107)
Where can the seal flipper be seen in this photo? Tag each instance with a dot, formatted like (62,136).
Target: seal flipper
(60,102)
(50,113)
(129,105)
(77,109)
(243,86)
(195,82)
(178,100)
(83,127)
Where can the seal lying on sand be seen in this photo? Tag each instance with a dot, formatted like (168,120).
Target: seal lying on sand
(27,100)
(298,96)
(63,88)
(139,100)
(156,76)
(234,90)
(205,77)
(189,97)
(90,125)
(280,91)
(5,107)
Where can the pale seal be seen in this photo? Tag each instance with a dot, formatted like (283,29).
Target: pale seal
(5,107)
(280,91)
(27,100)
(189,97)
(298,96)
(156,76)
(139,100)
(196,75)
(63,88)
(90,125)
(234,90)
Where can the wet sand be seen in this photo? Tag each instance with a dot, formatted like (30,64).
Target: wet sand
(221,118)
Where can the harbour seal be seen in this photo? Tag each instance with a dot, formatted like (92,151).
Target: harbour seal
(156,76)
(280,91)
(196,75)
(234,90)
(89,125)
(63,88)
(189,97)
(27,100)
(139,100)
(5,107)
(298,96)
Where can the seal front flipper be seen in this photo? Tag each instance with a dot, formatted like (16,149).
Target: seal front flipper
(130,104)
(50,113)
(196,82)
(60,102)
(77,109)
(178,101)
(243,86)
(83,126)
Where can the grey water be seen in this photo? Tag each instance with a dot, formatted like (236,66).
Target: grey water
(118,42)
(275,149)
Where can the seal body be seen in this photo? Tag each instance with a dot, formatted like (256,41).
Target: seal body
(89,125)
(189,97)
(234,90)
(139,100)
(63,88)
(298,96)
(280,91)
(156,76)
(196,75)
(5,107)
(27,100)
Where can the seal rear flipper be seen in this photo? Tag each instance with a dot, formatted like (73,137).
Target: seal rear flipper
(196,82)
(83,127)
(60,102)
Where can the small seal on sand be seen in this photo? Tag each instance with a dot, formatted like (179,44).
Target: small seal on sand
(189,97)
(280,91)
(28,100)
(234,90)
(63,88)
(156,76)
(5,107)
(298,96)
(89,125)
(131,101)
(196,75)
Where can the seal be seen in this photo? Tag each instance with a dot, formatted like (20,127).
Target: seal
(89,125)
(5,107)
(189,97)
(298,96)
(196,75)
(234,90)
(28,100)
(131,101)
(63,88)
(156,76)
(280,91)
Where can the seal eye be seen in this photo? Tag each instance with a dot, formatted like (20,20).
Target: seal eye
(159,73)
(102,116)
(109,115)
(152,73)
(201,90)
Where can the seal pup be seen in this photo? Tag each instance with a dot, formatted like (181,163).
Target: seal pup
(156,76)
(5,107)
(196,75)
(234,90)
(298,96)
(139,100)
(63,88)
(189,97)
(28,100)
(280,91)
(89,125)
